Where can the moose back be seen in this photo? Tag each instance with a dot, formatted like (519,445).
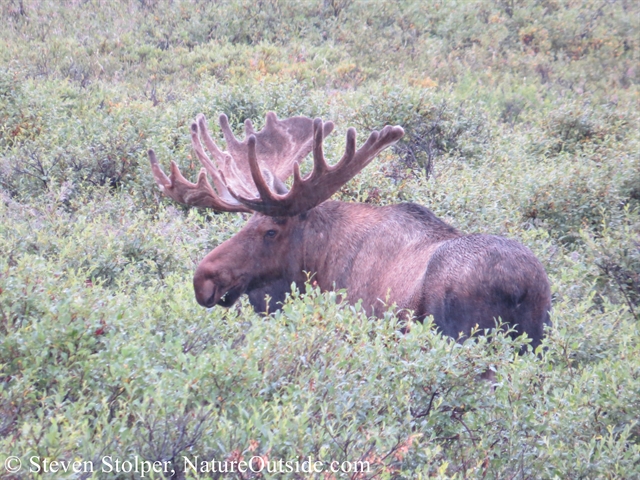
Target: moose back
(398,254)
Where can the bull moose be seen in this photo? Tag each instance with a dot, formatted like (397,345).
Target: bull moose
(398,254)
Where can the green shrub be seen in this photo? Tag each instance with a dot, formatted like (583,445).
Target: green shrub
(577,127)
(433,125)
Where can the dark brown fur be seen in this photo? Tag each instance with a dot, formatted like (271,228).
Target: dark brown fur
(400,254)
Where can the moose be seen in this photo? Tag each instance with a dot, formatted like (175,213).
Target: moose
(382,255)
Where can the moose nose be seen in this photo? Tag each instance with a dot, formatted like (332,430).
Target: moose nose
(204,285)
(205,290)
(210,282)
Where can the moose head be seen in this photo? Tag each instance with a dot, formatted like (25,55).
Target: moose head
(399,254)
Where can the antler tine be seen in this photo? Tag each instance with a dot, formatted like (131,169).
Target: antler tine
(324,180)
(319,164)
(256,173)
(161,178)
(229,137)
(203,129)
(248,128)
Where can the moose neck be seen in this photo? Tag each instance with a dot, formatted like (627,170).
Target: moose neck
(331,233)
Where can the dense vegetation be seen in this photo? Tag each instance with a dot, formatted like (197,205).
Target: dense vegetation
(521,120)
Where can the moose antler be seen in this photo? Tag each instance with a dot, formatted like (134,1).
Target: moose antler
(251,176)
(280,144)
(323,181)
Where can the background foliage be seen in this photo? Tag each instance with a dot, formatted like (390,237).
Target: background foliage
(521,120)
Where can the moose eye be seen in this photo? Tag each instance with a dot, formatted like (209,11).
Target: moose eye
(270,234)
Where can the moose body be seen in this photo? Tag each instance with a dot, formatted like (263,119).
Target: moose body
(400,255)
